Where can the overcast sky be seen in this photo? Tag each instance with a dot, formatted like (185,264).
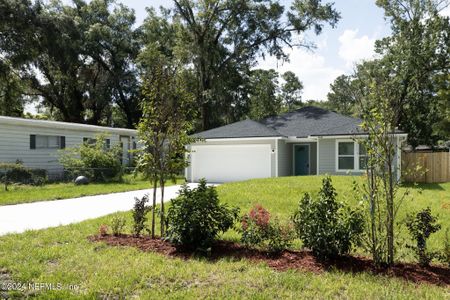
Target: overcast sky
(337,50)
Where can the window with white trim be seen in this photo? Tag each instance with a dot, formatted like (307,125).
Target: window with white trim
(346,156)
(351,156)
(48,142)
(362,153)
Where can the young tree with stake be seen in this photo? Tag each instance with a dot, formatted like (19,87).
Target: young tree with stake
(163,130)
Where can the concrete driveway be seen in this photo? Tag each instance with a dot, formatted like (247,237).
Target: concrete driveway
(38,215)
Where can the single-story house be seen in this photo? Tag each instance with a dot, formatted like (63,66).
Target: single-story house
(36,142)
(307,141)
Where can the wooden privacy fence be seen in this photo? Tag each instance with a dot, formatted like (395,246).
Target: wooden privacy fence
(430,167)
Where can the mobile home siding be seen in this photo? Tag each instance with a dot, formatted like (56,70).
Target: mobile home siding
(15,144)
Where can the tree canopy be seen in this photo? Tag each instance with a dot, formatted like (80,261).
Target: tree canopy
(416,59)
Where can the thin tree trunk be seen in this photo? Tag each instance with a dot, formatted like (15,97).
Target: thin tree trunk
(155,185)
(372,214)
(390,208)
(162,185)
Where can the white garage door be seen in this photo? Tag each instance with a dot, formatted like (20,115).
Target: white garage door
(230,162)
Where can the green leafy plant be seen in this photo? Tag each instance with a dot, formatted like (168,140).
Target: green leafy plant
(420,227)
(95,161)
(117,225)
(255,226)
(11,173)
(196,217)
(280,236)
(261,231)
(140,211)
(327,227)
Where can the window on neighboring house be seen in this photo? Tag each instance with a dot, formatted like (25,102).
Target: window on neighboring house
(346,156)
(92,141)
(47,142)
(89,141)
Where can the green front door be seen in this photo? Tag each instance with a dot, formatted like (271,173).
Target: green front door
(301,160)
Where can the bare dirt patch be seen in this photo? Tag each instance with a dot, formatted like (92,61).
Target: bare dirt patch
(287,260)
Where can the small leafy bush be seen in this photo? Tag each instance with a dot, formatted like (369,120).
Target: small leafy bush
(117,225)
(420,227)
(17,173)
(103,230)
(255,226)
(140,211)
(196,217)
(259,230)
(327,227)
(281,236)
(95,161)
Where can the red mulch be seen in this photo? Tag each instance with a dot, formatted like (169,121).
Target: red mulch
(297,260)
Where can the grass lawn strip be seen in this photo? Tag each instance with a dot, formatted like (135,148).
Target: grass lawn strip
(57,191)
(65,255)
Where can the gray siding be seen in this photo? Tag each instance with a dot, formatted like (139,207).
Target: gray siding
(15,145)
(313,159)
(327,152)
(284,158)
(268,141)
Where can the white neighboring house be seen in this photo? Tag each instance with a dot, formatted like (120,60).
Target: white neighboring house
(36,142)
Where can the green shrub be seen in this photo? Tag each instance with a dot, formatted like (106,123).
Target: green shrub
(140,211)
(95,161)
(17,173)
(255,226)
(259,230)
(117,225)
(420,227)
(280,237)
(327,227)
(196,217)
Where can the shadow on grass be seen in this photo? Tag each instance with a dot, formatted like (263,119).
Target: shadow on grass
(425,186)
(287,260)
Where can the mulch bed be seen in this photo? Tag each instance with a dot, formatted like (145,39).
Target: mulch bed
(287,260)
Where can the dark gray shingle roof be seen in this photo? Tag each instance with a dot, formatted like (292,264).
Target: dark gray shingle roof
(241,129)
(313,121)
(304,122)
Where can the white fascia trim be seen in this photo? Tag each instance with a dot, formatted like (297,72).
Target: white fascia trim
(276,159)
(241,139)
(356,136)
(64,125)
(301,140)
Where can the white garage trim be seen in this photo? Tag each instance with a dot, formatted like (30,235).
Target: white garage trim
(243,139)
(223,163)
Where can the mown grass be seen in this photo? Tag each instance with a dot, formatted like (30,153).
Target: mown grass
(55,191)
(64,255)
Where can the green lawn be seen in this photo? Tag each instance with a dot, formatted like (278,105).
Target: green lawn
(24,193)
(64,255)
